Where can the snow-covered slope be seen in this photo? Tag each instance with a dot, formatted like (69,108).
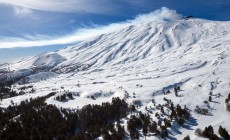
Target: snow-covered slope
(47,59)
(142,60)
(136,42)
(145,40)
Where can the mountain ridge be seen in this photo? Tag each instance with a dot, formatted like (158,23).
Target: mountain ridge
(141,41)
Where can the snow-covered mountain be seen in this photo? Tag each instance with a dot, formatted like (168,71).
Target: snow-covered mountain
(141,60)
(136,42)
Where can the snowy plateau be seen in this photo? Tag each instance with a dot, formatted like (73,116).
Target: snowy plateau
(142,64)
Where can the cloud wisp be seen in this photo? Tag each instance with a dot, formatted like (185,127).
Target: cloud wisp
(65,6)
(163,14)
(22,11)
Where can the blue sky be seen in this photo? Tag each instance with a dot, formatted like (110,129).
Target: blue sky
(30,27)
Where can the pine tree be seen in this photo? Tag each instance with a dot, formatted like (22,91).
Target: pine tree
(167,122)
(210,130)
(121,131)
(205,132)
(153,127)
(175,90)
(186,138)
(133,108)
(162,110)
(210,98)
(214,137)
(181,121)
(145,130)
(223,133)
(164,133)
(198,132)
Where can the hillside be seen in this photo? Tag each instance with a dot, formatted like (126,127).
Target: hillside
(139,63)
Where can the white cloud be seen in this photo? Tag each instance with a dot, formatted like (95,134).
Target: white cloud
(22,11)
(87,32)
(68,6)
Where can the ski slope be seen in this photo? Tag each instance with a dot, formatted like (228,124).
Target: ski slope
(141,60)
